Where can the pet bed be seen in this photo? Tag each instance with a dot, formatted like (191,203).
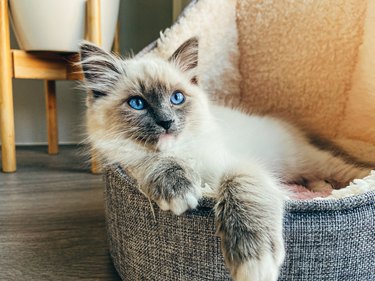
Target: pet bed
(310,62)
(325,239)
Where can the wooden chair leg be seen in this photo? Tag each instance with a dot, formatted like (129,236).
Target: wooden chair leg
(51,116)
(8,148)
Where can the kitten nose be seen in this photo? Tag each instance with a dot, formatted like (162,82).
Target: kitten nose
(165,124)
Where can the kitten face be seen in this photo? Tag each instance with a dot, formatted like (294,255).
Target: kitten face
(155,102)
(148,101)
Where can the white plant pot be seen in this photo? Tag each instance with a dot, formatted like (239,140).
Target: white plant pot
(59,25)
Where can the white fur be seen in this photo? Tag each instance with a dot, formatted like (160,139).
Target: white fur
(227,138)
(264,269)
(221,139)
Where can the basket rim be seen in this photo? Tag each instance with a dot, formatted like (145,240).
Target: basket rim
(291,205)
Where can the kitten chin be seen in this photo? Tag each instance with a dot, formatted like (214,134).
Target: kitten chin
(166,142)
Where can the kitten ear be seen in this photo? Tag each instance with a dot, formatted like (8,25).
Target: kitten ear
(101,69)
(186,57)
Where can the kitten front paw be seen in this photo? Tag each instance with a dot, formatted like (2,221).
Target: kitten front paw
(251,260)
(249,214)
(264,268)
(175,188)
(179,205)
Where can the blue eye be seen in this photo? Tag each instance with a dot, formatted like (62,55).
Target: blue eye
(177,98)
(137,103)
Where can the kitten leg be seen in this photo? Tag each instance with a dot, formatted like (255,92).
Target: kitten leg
(322,165)
(249,213)
(319,186)
(171,183)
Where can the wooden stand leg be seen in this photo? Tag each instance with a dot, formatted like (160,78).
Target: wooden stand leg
(8,148)
(94,35)
(116,40)
(51,114)
(95,164)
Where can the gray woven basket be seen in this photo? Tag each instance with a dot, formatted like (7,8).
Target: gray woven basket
(325,240)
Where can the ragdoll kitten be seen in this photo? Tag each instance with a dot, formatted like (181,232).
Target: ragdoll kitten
(151,116)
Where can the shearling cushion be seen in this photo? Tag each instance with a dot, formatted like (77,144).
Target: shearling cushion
(326,240)
(310,62)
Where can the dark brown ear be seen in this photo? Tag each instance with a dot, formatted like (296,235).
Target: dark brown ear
(101,69)
(186,56)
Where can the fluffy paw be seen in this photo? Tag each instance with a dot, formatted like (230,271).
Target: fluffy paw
(180,205)
(264,268)
(175,188)
(249,216)
(252,254)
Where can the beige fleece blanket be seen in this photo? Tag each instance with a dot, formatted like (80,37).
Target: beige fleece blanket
(311,62)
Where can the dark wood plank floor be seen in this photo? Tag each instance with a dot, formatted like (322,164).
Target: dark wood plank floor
(52,220)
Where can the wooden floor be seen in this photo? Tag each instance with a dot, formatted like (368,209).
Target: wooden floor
(52,220)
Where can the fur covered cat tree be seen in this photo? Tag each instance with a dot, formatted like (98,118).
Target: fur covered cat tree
(311,62)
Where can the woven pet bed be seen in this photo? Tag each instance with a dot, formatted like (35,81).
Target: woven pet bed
(310,62)
(326,240)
